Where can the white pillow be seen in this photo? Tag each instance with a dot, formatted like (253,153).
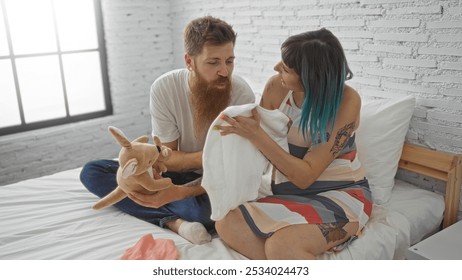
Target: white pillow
(380,138)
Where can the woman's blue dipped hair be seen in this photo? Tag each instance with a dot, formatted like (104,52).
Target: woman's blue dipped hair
(318,58)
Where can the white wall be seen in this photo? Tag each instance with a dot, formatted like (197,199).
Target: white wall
(394,47)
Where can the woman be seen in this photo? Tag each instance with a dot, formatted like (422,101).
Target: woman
(325,201)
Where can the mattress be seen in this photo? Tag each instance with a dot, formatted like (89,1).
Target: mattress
(50,218)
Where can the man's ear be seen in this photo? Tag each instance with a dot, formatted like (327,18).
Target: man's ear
(188,61)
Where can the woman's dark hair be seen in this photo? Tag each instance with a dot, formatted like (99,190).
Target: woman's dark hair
(207,30)
(318,58)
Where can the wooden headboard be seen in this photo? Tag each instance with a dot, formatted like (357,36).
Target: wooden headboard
(439,165)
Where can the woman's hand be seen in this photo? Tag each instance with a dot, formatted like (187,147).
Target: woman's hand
(247,127)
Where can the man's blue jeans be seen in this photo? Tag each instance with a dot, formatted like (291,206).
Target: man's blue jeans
(99,177)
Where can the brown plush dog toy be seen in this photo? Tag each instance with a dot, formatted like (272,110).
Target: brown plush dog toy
(137,159)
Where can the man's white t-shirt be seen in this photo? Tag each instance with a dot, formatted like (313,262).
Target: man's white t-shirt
(170,106)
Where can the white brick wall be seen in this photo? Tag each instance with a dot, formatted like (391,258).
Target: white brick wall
(395,48)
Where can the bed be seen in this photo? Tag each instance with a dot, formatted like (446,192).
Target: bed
(50,218)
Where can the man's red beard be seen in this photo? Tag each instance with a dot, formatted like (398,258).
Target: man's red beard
(207,102)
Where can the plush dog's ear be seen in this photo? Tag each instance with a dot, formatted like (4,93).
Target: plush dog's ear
(120,137)
(164,151)
(129,168)
(157,141)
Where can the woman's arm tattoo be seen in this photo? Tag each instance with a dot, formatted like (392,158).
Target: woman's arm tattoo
(341,138)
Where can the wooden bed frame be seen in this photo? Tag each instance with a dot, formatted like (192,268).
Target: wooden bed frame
(439,165)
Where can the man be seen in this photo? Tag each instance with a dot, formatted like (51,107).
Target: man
(183,104)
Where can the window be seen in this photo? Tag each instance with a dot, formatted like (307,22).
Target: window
(52,63)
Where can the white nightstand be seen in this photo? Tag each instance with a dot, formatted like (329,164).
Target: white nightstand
(443,245)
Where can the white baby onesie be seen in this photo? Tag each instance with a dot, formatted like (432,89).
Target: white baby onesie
(234,170)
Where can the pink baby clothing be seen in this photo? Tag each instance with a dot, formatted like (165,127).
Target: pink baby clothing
(148,248)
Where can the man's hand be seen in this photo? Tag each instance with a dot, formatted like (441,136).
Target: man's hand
(158,199)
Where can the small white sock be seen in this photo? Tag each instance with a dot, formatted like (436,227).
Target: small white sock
(194,232)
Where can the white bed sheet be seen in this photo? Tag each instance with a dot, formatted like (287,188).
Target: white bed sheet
(51,218)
